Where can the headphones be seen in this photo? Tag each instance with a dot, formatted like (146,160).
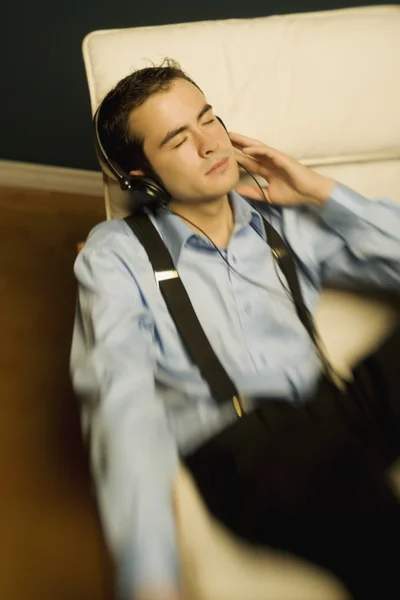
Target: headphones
(148,192)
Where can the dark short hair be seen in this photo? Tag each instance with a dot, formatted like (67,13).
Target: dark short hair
(121,144)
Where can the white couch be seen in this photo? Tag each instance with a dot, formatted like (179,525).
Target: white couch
(324,87)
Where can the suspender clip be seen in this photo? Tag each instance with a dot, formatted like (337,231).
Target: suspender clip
(164,275)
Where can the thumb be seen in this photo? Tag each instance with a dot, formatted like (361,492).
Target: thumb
(249,191)
(175,503)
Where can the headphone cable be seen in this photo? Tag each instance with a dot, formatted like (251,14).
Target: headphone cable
(319,345)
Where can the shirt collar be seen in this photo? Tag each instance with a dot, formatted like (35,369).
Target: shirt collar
(176,233)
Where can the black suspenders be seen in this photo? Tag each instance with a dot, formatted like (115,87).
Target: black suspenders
(178,303)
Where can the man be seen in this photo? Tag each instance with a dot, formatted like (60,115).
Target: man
(145,403)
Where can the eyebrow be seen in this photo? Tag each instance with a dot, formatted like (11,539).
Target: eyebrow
(171,134)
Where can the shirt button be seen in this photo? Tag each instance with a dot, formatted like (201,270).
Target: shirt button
(247,308)
(234,259)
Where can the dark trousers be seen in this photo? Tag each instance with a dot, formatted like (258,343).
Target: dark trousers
(312,480)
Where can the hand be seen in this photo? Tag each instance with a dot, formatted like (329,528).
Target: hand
(289,182)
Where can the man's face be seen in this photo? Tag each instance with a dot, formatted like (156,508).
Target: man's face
(183,140)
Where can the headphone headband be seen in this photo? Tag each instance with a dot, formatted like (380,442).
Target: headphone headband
(103,158)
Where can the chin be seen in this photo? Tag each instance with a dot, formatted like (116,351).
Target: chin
(226,182)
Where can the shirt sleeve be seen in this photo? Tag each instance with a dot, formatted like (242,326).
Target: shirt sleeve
(352,240)
(133,454)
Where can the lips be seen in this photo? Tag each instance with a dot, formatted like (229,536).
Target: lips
(219,163)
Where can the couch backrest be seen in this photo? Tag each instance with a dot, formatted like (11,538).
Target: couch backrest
(324,87)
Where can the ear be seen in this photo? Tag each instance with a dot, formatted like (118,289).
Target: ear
(137,173)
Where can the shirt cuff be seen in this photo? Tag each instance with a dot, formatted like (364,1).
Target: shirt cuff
(344,208)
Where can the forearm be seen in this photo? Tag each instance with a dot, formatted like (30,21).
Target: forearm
(370,230)
(134,484)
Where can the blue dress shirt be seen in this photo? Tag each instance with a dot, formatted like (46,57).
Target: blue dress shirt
(145,403)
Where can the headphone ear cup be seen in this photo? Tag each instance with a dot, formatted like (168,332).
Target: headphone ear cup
(148,193)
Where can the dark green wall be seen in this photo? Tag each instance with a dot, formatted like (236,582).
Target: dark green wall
(44,101)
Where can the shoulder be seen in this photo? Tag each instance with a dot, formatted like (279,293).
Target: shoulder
(283,212)
(110,235)
(283,218)
(110,248)
(288,217)
(113,237)
(266,210)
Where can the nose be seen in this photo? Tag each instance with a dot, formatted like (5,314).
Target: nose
(207,143)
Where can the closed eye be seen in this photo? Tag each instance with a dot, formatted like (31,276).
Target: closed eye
(184,140)
(180,144)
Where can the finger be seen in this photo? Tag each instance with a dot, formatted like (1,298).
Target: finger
(175,502)
(249,191)
(250,161)
(262,150)
(252,164)
(242,140)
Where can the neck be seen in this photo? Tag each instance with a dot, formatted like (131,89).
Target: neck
(213,218)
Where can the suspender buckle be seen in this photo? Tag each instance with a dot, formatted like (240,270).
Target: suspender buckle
(239,405)
(164,275)
(279,253)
